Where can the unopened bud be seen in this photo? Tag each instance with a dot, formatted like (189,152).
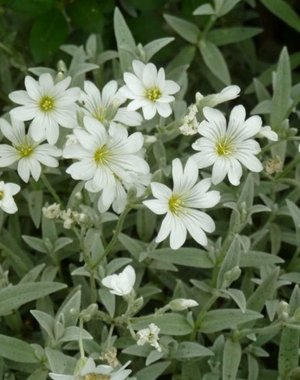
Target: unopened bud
(61,67)
(88,313)
(283,307)
(231,276)
(180,304)
(78,196)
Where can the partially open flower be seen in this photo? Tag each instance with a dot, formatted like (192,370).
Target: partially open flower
(121,284)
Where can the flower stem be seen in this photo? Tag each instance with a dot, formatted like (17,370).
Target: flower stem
(81,349)
(116,233)
(51,189)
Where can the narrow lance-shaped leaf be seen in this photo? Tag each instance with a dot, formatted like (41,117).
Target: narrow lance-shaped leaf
(264,292)
(281,100)
(16,350)
(215,61)
(218,320)
(204,9)
(13,297)
(232,35)
(225,6)
(288,351)
(125,41)
(284,11)
(185,29)
(295,213)
(155,46)
(231,360)
(188,350)
(231,260)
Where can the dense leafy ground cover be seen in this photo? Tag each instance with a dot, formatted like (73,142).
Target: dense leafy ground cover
(149,190)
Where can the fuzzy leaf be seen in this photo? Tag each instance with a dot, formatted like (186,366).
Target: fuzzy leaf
(190,257)
(16,350)
(281,101)
(263,292)
(125,41)
(188,350)
(215,61)
(218,320)
(284,11)
(288,351)
(185,29)
(232,35)
(231,360)
(153,371)
(155,46)
(169,324)
(12,297)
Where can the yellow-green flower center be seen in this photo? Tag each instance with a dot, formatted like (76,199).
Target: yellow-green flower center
(25,150)
(153,93)
(175,204)
(224,147)
(1,194)
(46,103)
(95,376)
(101,155)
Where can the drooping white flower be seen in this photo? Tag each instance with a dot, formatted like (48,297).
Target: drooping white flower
(47,104)
(24,150)
(149,335)
(226,148)
(7,191)
(181,205)
(228,93)
(268,133)
(107,161)
(149,90)
(121,284)
(180,304)
(92,372)
(105,106)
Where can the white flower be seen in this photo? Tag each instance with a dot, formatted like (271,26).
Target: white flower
(121,284)
(228,93)
(92,372)
(180,304)
(28,153)
(7,191)
(149,335)
(181,204)
(52,212)
(226,148)
(105,106)
(47,104)
(268,133)
(149,90)
(107,160)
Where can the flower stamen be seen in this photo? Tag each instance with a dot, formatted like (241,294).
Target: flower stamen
(25,150)
(153,93)
(94,376)
(1,195)
(224,147)
(175,204)
(101,155)
(46,103)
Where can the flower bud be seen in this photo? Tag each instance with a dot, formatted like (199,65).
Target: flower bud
(180,304)
(231,276)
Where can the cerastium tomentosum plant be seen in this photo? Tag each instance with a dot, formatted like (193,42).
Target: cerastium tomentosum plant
(161,224)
